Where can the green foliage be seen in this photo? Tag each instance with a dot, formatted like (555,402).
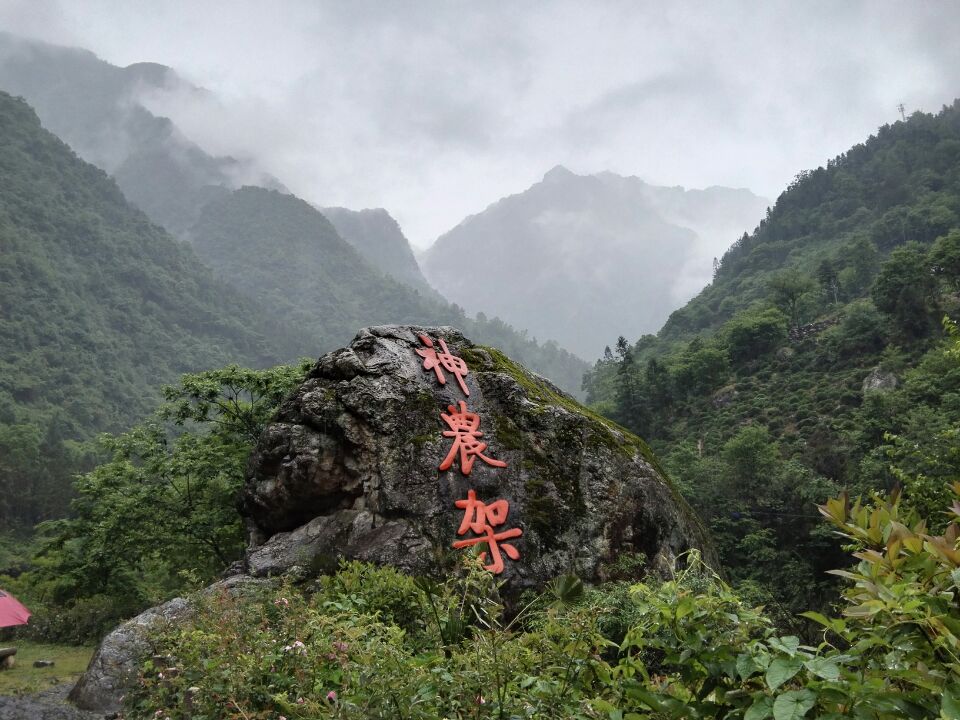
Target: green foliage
(905,290)
(754,332)
(337,655)
(788,290)
(160,514)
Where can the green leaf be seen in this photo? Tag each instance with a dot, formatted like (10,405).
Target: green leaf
(788,644)
(746,666)
(824,668)
(566,589)
(762,708)
(950,703)
(781,670)
(794,704)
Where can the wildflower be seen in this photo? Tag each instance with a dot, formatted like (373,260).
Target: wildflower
(332,696)
(300,701)
(297,647)
(282,717)
(481,700)
(281,602)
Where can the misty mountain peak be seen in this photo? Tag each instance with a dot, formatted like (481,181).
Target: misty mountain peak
(582,259)
(152,74)
(558,173)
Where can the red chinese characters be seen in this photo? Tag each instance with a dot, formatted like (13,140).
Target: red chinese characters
(481,519)
(464,429)
(438,362)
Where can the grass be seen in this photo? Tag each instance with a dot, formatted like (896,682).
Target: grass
(70,661)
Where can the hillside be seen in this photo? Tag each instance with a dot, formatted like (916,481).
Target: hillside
(583,258)
(381,242)
(286,254)
(775,386)
(100,307)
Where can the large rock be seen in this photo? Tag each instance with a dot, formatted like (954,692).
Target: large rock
(349,469)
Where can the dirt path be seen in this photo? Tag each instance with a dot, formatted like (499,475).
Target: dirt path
(47,705)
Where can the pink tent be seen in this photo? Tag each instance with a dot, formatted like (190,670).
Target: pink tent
(11,611)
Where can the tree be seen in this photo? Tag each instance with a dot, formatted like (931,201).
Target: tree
(754,332)
(945,259)
(788,289)
(905,290)
(828,279)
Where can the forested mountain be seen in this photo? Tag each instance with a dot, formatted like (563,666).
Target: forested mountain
(100,307)
(285,253)
(97,109)
(819,336)
(579,258)
(381,242)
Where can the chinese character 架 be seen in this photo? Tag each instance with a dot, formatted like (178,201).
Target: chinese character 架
(464,429)
(481,518)
(438,362)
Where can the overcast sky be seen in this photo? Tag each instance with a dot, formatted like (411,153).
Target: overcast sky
(434,110)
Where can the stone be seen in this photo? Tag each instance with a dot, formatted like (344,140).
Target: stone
(880,380)
(724,396)
(115,663)
(349,470)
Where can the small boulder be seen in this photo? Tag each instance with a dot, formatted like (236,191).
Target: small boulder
(880,380)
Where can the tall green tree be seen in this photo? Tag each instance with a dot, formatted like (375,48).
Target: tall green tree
(906,292)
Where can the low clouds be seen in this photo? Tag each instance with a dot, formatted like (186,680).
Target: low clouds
(435,109)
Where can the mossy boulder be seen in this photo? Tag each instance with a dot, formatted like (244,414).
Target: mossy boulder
(349,469)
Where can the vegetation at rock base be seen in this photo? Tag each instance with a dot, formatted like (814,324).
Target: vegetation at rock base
(373,643)
(814,361)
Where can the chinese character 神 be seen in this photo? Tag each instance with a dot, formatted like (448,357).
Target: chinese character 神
(481,519)
(438,362)
(464,431)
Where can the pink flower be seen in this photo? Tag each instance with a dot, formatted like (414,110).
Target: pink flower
(331,696)
(300,701)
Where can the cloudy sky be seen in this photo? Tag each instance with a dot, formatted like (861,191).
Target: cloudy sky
(433,110)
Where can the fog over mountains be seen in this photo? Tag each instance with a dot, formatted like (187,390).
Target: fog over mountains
(585,258)
(579,259)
